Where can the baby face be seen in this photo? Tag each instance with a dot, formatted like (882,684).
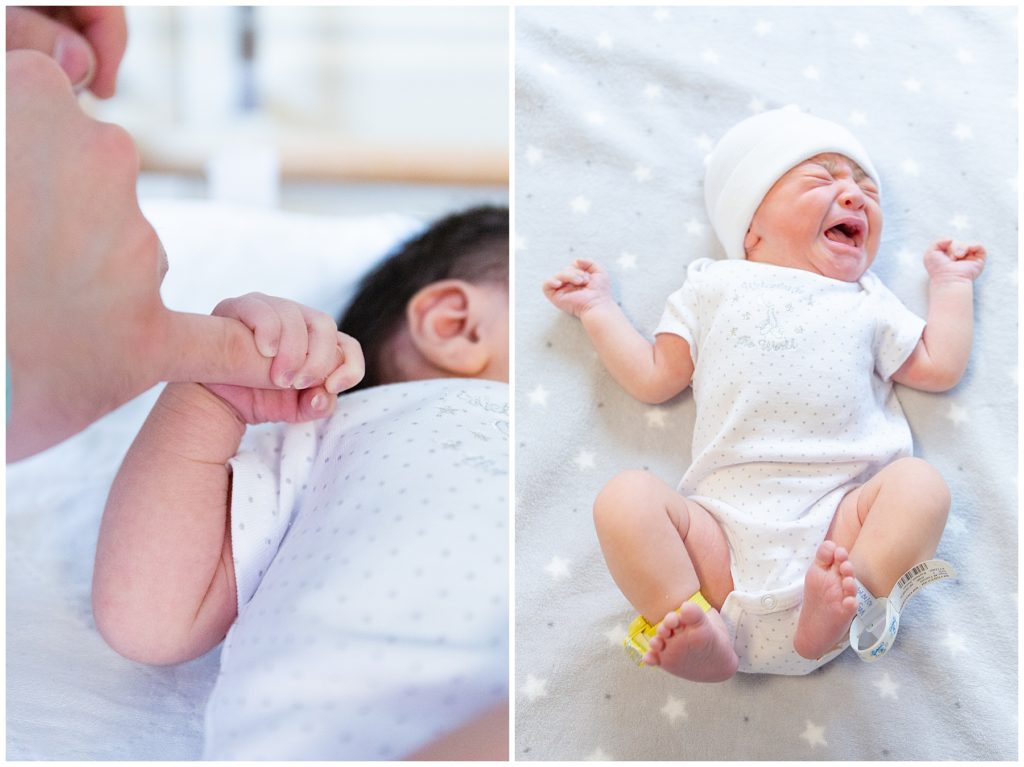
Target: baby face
(823,216)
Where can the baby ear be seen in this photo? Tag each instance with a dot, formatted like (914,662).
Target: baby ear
(750,241)
(444,325)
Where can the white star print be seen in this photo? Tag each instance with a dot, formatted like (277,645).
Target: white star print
(580,205)
(861,40)
(655,418)
(585,460)
(616,635)
(662,14)
(756,105)
(909,167)
(604,40)
(955,643)
(762,28)
(916,10)
(705,142)
(964,56)
(550,69)
(912,85)
(814,734)
(557,568)
(598,755)
(957,414)
(675,709)
(596,118)
(955,525)
(960,222)
(535,688)
(886,687)
(652,91)
(694,227)
(858,118)
(811,73)
(963,132)
(710,56)
(627,261)
(642,173)
(539,396)
(520,242)
(907,257)
(534,155)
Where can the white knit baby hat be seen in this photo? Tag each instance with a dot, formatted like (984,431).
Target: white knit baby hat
(756,153)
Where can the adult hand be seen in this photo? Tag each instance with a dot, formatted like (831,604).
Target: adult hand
(86,41)
(86,327)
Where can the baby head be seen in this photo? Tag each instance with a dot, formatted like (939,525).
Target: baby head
(790,189)
(438,306)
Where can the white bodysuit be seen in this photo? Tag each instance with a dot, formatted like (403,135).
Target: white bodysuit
(795,406)
(371,556)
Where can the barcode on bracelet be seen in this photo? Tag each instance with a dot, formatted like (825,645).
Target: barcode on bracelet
(915,570)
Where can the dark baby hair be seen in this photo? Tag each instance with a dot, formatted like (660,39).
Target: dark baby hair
(471,246)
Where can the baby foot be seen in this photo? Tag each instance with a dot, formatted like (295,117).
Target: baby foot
(830,602)
(693,645)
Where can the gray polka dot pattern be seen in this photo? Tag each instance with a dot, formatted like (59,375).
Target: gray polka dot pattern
(371,556)
(794,407)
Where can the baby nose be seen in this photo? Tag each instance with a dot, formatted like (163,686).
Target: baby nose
(852,197)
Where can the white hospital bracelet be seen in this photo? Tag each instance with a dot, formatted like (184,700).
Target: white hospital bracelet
(873,631)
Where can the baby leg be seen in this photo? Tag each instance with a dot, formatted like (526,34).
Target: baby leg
(661,548)
(887,525)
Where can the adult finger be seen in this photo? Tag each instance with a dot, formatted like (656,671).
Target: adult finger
(106,30)
(28,28)
(351,365)
(208,349)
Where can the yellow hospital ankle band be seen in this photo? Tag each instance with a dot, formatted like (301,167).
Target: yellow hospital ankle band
(639,633)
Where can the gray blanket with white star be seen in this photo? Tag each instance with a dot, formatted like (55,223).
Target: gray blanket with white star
(616,109)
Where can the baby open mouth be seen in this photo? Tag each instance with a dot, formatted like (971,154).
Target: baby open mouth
(847,232)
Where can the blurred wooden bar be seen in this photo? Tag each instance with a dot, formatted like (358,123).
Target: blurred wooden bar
(320,158)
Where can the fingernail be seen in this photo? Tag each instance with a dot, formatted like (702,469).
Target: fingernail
(269,349)
(76,59)
(284,380)
(304,383)
(319,402)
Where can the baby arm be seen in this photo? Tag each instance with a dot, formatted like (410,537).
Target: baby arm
(164,585)
(651,373)
(940,358)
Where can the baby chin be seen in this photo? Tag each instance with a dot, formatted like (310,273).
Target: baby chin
(842,262)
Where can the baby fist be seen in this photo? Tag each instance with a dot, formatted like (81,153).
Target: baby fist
(948,258)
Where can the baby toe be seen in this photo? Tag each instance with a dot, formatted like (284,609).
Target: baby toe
(670,623)
(826,553)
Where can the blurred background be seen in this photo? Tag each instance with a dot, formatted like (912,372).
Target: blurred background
(320,109)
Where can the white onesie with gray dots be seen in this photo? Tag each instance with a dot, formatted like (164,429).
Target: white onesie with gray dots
(371,556)
(795,406)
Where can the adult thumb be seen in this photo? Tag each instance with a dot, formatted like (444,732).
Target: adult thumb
(209,349)
(30,29)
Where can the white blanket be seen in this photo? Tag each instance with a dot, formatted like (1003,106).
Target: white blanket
(616,110)
(68,695)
